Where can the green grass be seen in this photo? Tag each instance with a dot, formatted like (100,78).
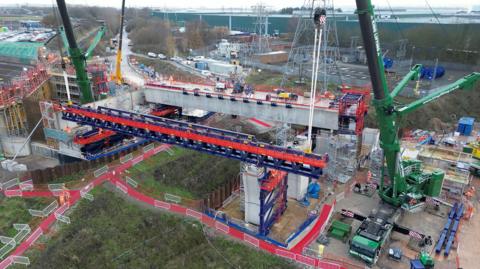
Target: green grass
(112,233)
(68,178)
(267,78)
(167,69)
(15,210)
(275,79)
(187,173)
(143,173)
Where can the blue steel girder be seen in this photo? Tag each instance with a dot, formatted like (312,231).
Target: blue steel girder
(227,152)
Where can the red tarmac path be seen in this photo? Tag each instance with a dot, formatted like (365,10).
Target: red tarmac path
(295,253)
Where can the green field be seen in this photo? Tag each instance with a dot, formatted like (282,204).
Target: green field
(15,210)
(113,233)
(186,173)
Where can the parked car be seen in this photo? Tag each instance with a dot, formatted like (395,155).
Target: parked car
(162,56)
(220,86)
(206,73)
(152,55)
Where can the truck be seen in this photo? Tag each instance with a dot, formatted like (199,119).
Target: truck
(220,86)
(284,95)
(476,150)
(373,234)
(288,96)
(475,168)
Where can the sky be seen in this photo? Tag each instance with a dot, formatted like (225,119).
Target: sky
(274,4)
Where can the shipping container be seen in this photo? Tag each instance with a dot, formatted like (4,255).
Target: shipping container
(465,125)
(224,68)
(201,65)
(273,57)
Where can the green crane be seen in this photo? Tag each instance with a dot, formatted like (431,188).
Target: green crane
(77,57)
(403,185)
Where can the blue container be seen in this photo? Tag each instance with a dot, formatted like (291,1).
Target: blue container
(416,264)
(387,62)
(429,72)
(465,125)
(201,65)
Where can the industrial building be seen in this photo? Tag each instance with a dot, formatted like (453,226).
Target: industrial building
(279,23)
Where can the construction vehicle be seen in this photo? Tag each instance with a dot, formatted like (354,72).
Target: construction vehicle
(373,233)
(475,149)
(402,183)
(288,96)
(238,87)
(77,57)
(426,260)
(284,95)
(475,164)
(117,77)
(375,230)
(475,168)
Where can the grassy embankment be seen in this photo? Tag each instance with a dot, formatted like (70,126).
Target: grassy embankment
(112,233)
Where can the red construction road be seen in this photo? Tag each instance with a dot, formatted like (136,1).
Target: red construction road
(295,253)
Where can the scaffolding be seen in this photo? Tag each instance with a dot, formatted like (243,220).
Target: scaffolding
(99,78)
(352,108)
(15,119)
(23,86)
(11,96)
(342,152)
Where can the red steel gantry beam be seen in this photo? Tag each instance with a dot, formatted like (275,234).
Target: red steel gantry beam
(148,124)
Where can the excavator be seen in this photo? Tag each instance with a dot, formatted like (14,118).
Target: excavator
(78,57)
(403,183)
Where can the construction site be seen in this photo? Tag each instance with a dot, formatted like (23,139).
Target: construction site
(320,136)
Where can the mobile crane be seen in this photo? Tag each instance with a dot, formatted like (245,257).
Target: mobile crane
(402,183)
(117,77)
(78,57)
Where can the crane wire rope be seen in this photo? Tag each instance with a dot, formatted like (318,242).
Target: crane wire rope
(396,20)
(337,44)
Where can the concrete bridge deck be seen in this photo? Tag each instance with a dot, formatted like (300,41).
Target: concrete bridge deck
(199,96)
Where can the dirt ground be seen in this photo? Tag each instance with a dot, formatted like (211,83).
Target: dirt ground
(33,162)
(429,223)
(469,245)
(293,217)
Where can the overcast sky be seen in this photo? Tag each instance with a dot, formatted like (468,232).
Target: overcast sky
(244,3)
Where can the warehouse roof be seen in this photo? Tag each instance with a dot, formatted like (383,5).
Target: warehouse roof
(23,51)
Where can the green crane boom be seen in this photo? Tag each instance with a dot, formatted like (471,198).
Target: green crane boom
(96,40)
(76,55)
(388,114)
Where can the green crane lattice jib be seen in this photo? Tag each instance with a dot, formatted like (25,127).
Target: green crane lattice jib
(387,113)
(382,101)
(95,42)
(463,83)
(64,39)
(78,58)
(412,75)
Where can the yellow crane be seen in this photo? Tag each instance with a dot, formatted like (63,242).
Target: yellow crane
(117,76)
